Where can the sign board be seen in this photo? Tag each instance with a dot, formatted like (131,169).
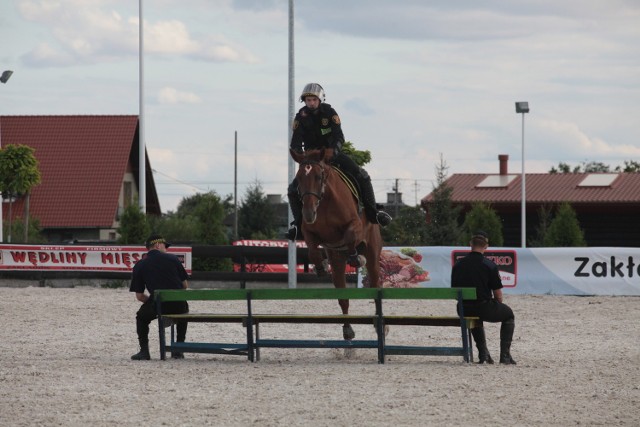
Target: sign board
(80,258)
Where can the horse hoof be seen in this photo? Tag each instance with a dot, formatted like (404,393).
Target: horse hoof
(348,333)
(357,261)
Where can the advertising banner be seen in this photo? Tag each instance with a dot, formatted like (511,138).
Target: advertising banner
(79,258)
(554,271)
(274,268)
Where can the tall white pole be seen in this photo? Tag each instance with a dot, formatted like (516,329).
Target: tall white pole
(1,199)
(235,187)
(142,165)
(293,262)
(5,77)
(524,195)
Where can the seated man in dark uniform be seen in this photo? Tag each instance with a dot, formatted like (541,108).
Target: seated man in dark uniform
(158,270)
(475,270)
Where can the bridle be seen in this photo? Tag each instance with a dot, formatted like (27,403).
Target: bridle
(308,167)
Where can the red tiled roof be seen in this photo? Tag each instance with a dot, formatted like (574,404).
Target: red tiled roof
(82,161)
(544,188)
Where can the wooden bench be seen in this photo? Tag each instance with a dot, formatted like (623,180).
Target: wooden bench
(252,342)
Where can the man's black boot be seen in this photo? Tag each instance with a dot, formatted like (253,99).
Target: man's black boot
(296,211)
(506,335)
(143,354)
(292,233)
(383,218)
(481,344)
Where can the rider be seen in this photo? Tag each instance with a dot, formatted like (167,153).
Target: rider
(317,126)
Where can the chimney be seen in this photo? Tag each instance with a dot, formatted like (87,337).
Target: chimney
(504,164)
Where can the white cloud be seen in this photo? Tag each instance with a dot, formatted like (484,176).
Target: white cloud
(88,32)
(169,95)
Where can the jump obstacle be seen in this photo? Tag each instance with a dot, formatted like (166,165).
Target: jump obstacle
(251,321)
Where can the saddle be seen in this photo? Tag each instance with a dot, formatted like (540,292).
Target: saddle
(351,183)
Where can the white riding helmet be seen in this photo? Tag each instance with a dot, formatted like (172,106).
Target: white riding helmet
(312,89)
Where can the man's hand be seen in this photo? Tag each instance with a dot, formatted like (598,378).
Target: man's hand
(329,154)
(497,295)
(142,297)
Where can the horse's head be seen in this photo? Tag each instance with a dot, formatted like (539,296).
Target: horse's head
(311,178)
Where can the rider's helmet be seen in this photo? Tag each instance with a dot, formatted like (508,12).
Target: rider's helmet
(312,89)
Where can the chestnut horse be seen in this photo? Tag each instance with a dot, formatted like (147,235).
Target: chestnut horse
(331,219)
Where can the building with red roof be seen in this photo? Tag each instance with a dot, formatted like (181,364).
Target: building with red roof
(89,170)
(607,204)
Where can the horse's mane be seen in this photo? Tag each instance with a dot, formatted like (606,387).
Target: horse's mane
(314,155)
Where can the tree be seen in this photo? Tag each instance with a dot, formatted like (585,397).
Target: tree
(198,219)
(34,232)
(442,223)
(406,229)
(19,173)
(564,168)
(592,167)
(134,228)
(630,166)
(564,230)
(544,214)
(256,216)
(483,217)
(360,157)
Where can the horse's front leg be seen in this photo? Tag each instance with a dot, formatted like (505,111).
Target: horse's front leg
(338,270)
(317,258)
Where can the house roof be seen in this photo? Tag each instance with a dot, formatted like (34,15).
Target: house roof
(82,161)
(544,188)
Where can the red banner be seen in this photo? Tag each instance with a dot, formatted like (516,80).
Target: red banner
(79,258)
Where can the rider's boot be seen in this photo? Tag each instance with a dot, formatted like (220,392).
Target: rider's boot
(296,209)
(372,211)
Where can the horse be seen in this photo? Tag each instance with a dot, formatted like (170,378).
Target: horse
(332,219)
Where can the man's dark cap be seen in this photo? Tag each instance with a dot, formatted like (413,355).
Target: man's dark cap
(156,238)
(482,235)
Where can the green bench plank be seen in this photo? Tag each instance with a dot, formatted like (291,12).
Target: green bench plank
(212,348)
(428,320)
(422,351)
(316,343)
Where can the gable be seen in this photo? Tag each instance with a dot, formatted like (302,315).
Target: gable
(82,161)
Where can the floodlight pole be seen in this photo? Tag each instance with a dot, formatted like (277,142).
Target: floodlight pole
(4,78)
(522,108)
(293,262)
(142,165)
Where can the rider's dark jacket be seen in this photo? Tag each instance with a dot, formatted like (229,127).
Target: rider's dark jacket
(317,129)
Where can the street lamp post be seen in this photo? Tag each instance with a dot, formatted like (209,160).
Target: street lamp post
(3,78)
(522,108)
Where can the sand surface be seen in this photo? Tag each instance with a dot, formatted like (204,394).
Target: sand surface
(64,361)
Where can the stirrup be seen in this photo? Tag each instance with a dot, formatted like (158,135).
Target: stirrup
(383,218)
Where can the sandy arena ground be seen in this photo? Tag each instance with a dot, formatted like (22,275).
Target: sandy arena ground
(64,361)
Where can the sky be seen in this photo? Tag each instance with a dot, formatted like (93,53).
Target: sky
(415,82)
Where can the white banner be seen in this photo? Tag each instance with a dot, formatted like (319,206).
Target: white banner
(80,258)
(554,271)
